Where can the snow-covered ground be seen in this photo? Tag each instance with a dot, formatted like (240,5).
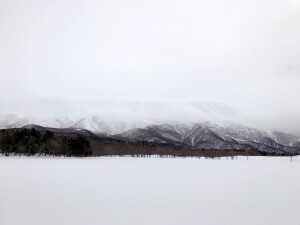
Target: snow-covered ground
(116,190)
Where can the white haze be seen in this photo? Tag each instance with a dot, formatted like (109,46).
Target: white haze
(164,61)
(133,113)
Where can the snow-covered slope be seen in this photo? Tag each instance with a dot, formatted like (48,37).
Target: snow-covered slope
(99,126)
(12,121)
(17,121)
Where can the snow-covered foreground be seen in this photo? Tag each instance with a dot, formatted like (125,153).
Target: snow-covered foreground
(113,190)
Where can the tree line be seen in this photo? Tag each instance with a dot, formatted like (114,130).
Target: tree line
(32,141)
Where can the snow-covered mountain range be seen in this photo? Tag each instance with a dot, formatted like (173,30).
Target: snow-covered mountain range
(205,135)
(212,136)
(93,124)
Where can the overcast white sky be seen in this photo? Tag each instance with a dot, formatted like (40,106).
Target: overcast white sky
(237,54)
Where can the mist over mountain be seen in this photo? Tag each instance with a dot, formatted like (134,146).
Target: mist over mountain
(117,115)
(213,80)
(202,135)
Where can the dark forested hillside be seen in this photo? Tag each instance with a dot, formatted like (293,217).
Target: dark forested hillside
(33,141)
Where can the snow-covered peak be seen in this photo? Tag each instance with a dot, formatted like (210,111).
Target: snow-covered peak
(94,124)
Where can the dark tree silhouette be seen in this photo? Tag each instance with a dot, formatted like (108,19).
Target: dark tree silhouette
(6,143)
(79,146)
(48,135)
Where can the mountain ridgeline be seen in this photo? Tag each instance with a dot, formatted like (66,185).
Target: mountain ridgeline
(203,139)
